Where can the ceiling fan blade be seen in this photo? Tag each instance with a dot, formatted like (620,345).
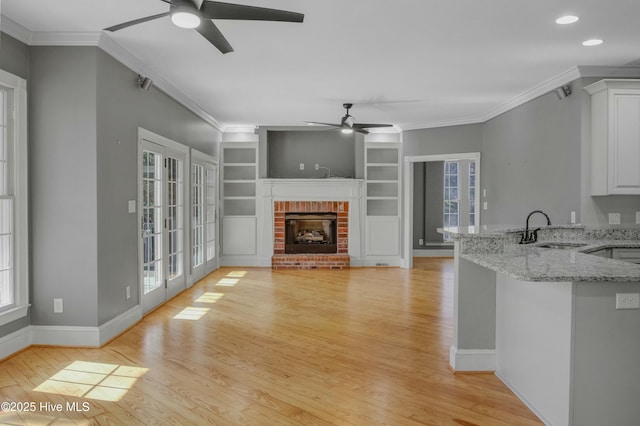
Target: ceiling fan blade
(323,124)
(209,31)
(136,21)
(363,131)
(367,126)
(218,10)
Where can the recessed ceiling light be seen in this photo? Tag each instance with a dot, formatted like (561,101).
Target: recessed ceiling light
(568,19)
(592,42)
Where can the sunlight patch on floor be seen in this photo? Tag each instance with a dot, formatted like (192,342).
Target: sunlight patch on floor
(104,382)
(209,297)
(191,313)
(227,282)
(237,274)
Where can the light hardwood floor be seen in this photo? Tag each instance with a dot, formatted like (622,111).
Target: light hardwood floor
(251,346)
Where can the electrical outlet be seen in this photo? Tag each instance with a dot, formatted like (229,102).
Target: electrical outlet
(301,166)
(484,192)
(573,217)
(627,300)
(484,205)
(317,166)
(637,218)
(127,291)
(421,241)
(614,218)
(58,306)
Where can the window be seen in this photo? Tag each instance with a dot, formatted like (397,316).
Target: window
(13,198)
(451,194)
(472,193)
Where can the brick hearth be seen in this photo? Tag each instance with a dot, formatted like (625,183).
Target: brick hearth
(340,260)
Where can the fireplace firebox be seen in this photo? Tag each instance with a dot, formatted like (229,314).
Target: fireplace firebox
(310,233)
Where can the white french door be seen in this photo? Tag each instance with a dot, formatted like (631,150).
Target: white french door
(162,200)
(204,215)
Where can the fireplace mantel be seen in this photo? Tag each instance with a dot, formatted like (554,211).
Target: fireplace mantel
(313,189)
(331,189)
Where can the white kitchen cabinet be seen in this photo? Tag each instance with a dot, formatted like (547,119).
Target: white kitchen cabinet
(615,137)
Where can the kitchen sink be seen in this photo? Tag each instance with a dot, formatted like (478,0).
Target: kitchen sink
(561,245)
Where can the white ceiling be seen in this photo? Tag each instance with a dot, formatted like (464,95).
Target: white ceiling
(412,63)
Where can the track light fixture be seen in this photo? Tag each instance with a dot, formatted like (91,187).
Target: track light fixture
(562,91)
(144,83)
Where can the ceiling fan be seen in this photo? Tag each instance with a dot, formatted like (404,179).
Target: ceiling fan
(198,14)
(347,124)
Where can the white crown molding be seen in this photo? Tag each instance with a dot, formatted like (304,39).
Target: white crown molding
(627,71)
(15,30)
(110,46)
(78,38)
(536,91)
(121,54)
(435,124)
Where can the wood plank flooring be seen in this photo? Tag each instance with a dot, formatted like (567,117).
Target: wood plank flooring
(365,346)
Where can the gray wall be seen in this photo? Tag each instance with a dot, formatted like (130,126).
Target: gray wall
(85,113)
(14,58)
(62,175)
(287,149)
(443,140)
(122,107)
(531,160)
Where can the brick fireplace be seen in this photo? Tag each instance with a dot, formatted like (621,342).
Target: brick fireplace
(338,260)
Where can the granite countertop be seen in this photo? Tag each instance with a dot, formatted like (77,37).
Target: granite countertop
(534,263)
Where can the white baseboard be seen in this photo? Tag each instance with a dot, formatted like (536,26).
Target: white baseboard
(433,253)
(240,261)
(54,335)
(59,335)
(15,342)
(122,322)
(376,261)
(472,359)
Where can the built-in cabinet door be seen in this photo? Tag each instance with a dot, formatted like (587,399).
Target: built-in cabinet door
(161,244)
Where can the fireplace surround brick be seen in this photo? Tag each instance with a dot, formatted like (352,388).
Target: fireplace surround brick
(340,260)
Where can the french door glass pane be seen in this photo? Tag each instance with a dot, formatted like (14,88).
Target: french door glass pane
(174,220)
(198,229)
(6,253)
(211,212)
(153,276)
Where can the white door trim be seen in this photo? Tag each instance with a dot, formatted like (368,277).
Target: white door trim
(407,215)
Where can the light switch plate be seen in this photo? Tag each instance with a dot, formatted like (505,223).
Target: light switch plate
(131,205)
(573,217)
(484,205)
(58,307)
(301,166)
(614,218)
(638,218)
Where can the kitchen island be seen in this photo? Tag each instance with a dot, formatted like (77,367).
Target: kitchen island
(546,320)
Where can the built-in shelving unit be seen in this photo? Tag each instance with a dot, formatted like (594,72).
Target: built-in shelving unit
(239,178)
(382,198)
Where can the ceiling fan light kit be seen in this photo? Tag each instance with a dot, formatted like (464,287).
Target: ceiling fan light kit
(185,17)
(348,125)
(193,14)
